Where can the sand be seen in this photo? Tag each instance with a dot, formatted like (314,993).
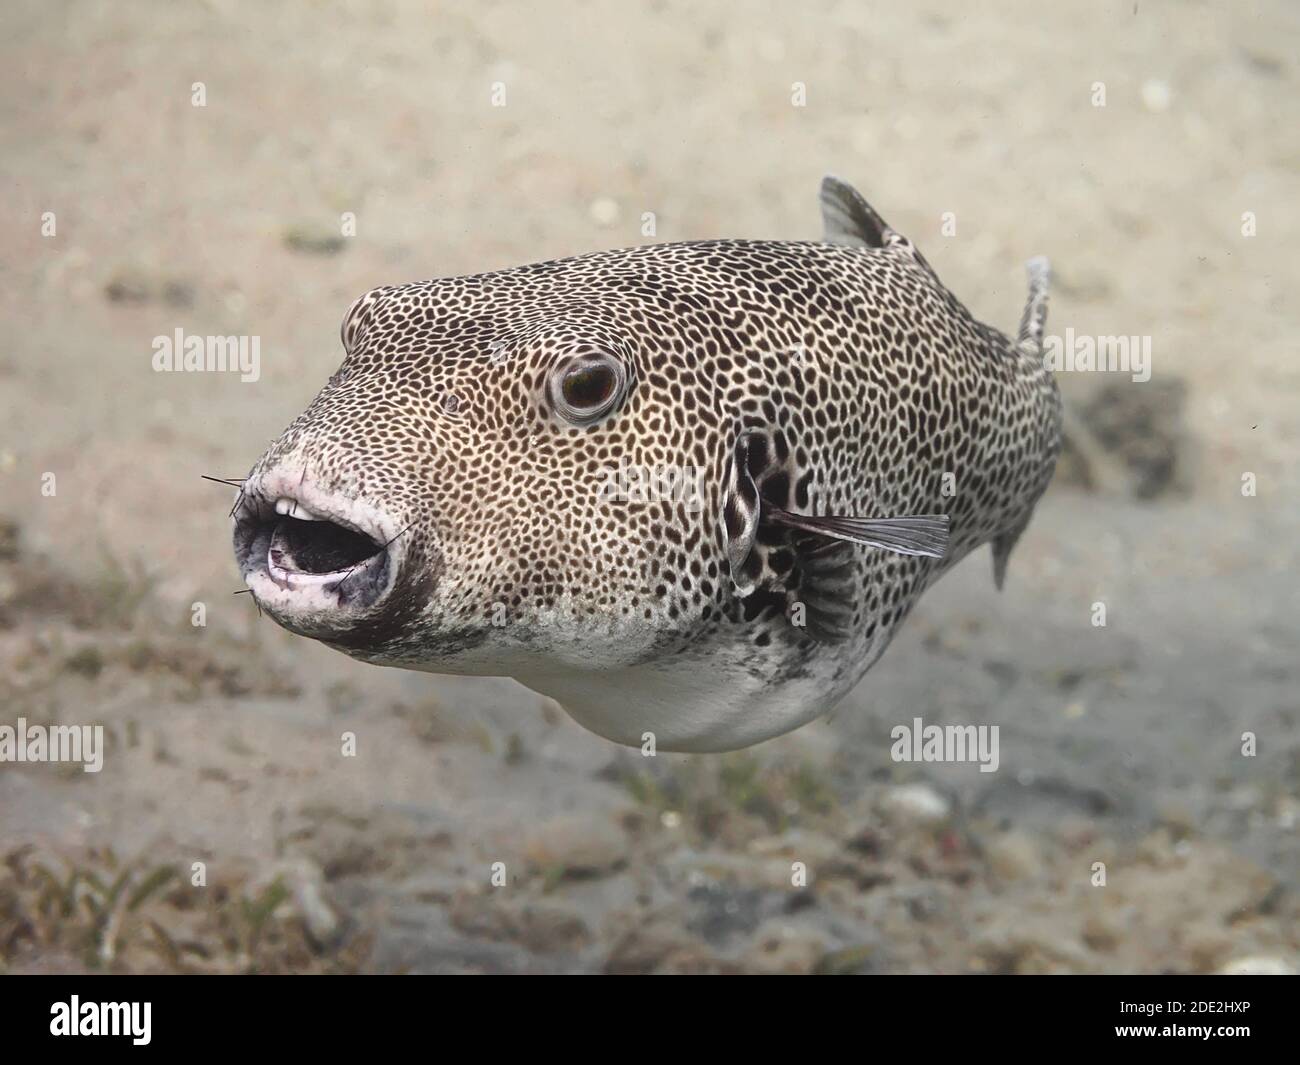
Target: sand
(477,828)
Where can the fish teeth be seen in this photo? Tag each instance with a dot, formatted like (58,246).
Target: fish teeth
(291,508)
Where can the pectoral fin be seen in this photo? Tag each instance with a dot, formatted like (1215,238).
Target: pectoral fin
(922,534)
(784,560)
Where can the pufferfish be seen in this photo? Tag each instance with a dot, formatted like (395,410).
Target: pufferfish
(688,490)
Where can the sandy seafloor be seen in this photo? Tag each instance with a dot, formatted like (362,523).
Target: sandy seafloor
(1120,745)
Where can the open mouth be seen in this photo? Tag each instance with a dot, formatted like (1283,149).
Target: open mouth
(298,560)
(316,547)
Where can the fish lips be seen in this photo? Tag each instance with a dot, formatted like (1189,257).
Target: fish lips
(319,564)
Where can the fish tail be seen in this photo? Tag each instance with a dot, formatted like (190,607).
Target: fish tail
(1034,321)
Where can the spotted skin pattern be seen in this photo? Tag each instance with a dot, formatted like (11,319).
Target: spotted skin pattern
(835,378)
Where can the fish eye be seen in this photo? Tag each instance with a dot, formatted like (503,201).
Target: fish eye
(586,388)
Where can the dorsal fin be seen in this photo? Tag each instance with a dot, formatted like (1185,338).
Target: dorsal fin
(848,219)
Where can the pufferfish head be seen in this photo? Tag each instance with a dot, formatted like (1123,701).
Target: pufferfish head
(525,466)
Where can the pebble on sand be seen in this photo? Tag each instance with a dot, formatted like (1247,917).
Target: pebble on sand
(915,804)
(576,844)
(1156,95)
(604,212)
(1014,856)
(1258,966)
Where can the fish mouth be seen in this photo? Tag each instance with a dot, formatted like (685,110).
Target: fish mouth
(314,561)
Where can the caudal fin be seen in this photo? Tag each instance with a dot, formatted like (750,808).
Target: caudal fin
(1030,340)
(1034,320)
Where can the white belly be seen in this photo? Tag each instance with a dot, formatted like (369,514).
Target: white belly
(713,703)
